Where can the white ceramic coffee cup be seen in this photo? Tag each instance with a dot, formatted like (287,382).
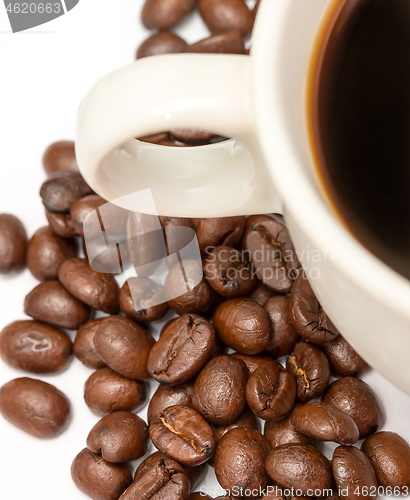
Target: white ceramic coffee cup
(259,101)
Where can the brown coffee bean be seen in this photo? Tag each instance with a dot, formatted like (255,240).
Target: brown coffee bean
(284,336)
(223,379)
(260,293)
(119,437)
(181,433)
(99,479)
(13,244)
(51,303)
(82,208)
(163,42)
(166,396)
(35,407)
(46,252)
(147,296)
(219,231)
(191,136)
(271,391)
(62,189)
(325,422)
(182,350)
(343,359)
(230,42)
(98,290)
(161,139)
(301,467)
(252,362)
(60,224)
(243,325)
(124,346)
(354,475)
(196,474)
(164,14)
(60,157)
(309,319)
(226,15)
(35,347)
(246,420)
(84,348)
(239,461)
(279,432)
(106,391)
(311,368)
(199,495)
(389,455)
(357,399)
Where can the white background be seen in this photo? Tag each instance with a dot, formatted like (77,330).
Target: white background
(45,72)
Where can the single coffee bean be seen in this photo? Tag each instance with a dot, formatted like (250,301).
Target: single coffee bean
(142,300)
(106,391)
(247,420)
(260,293)
(191,136)
(82,208)
(62,189)
(271,391)
(181,433)
(279,432)
(46,252)
(213,232)
(243,325)
(98,290)
(389,455)
(239,461)
(84,348)
(51,303)
(60,157)
(311,368)
(60,224)
(230,42)
(301,467)
(309,319)
(226,15)
(166,396)
(343,359)
(354,475)
(223,379)
(124,346)
(179,232)
(119,437)
(99,479)
(163,42)
(35,347)
(284,336)
(357,399)
(13,244)
(35,407)
(164,14)
(325,422)
(252,362)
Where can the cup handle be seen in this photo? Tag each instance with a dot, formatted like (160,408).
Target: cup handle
(155,94)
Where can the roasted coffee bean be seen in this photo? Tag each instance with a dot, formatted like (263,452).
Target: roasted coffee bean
(272,254)
(119,437)
(60,157)
(181,433)
(271,391)
(309,319)
(230,42)
(357,399)
(389,455)
(46,252)
(228,272)
(62,189)
(51,303)
(13,244)
(226,15)
(220,390)
(246,420)
(279,432)
(84,348)
(164,14)
(106,391)
(260,293)
(239,461)
(142,300)
(60,224)
(166,396)
(354,475)
(252,362)
(219,231)
(191,136)
(35,347)
(311,368)
(98,290)
(243,325)
(301,467)
(82,208)
(343,359)
(124,346)
(99,479)
(163,42)
(196,474)
(199,495)
(284,335)
(179,233)
(325,422)
(182,350)
(161,139)
(35,407)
